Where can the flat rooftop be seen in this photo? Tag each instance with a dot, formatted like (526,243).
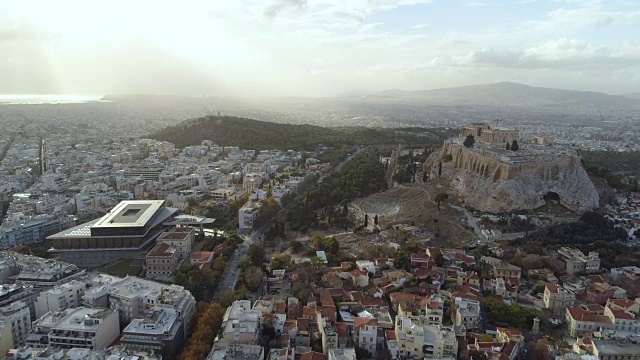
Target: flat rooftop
(130,213)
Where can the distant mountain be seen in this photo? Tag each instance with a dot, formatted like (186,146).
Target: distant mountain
(262,135)
(632,95)
(508,93)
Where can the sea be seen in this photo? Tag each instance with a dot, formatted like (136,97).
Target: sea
(49,99)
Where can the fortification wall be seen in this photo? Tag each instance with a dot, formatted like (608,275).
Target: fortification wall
(485,163)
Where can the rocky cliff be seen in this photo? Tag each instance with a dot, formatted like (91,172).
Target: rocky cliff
(488,184)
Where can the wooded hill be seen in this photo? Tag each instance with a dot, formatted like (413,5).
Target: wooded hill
(261,135)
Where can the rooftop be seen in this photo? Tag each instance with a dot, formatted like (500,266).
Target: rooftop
(163,250)
(616,347)
(130,213)
(157,322)
(177,233)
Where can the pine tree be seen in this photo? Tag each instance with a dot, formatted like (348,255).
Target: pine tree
(514,145)
(366,220)
(508,146)
(375,220)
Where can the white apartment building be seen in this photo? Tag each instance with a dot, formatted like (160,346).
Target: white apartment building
(365,331)
(241,324)
(467,313)
(181,238)
(60,297)
(415,341)
(87,328)
(17,314)
(557,299)
(134,298)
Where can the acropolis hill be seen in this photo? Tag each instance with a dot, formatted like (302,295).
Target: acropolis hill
(491,178)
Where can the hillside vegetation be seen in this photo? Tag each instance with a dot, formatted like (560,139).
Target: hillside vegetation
(260,135)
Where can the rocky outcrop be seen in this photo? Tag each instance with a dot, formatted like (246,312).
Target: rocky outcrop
(490,185)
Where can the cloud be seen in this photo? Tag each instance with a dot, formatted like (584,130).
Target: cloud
(569,54)
(280,5)
(420,26)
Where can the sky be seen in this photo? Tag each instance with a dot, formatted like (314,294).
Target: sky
(315,47)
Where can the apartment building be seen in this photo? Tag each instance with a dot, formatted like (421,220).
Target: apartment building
(224,351)
(161,331)
(505,270)
(416,341)
(615,350)
(241,324)
(577,262)
(18,316)
(467,313)
(181,238)
(161,261)
(87,328)
(586,319)
(365,335)
(247,216)
(341,354)
(134,298)
(60,297)
(557,299)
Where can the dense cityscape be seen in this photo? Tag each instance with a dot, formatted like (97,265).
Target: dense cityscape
(320,180)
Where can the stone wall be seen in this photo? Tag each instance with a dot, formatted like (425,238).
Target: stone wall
(484,163)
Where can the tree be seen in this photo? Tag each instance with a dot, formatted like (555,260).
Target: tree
(296,246)
(439,259)
(440,169)
(469,141)
(375,220)
(253,277)
(282,261)
(331,245)
(508,146)
(366,220)
(256,254)
(514,145)
(439,198)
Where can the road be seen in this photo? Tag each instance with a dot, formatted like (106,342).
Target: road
(231,272)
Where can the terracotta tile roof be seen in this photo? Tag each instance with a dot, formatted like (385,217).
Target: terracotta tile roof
(553,289)
(329,313)
(342,329)
(402,296)
(303,324)
(390,335)
(374,303)
(360,322)
(622,303)
(622,315)
(312,355)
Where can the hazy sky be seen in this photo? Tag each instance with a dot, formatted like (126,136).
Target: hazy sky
(315,47)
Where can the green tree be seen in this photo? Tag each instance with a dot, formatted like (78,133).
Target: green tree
(469,141)
(366,220)
(375,220)
(256,254)
(282,261)
(439,198)
(515,146)
(331,245)
(508,146)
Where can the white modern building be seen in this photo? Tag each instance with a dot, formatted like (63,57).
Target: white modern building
(86,328)
(241,324)
(60,297)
